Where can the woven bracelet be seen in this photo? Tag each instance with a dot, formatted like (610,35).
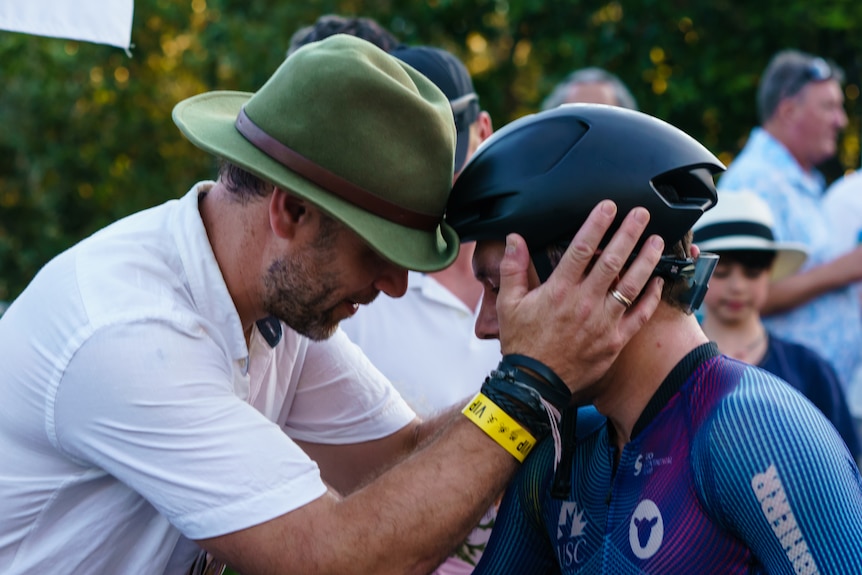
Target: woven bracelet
(519,401)
(555,390)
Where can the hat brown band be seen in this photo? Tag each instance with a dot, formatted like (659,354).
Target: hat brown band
(330,182)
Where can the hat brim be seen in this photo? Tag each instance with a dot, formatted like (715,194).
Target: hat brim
(208,121)
(789,257)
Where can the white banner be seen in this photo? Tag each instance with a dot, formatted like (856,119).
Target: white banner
(99,21)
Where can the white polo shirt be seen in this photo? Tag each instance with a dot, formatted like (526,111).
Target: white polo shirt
(131,410)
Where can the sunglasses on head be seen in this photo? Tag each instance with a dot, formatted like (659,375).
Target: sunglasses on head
(465,109)
(817,70)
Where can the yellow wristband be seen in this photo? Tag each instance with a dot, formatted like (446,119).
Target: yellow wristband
(500,426)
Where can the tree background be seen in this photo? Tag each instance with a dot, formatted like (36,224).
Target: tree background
(86,135)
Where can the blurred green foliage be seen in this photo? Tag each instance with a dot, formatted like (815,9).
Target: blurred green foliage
(87,136)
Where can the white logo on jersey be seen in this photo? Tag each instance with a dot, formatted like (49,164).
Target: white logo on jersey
(647,462)
(646,530)
(639,464)
(776,509)
(570,509)
(569,550)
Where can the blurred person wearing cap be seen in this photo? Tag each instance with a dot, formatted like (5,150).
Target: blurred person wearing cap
(176,394)
(739,230)
(801,109)
(680,459)
(592,85)
(424,341)
(406,337)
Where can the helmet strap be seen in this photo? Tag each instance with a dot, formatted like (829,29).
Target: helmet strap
(689,278)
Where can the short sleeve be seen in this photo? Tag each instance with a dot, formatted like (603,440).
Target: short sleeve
(152,404)
(342,398)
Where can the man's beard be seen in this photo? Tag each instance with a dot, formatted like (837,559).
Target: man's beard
(298,294)
(302,290)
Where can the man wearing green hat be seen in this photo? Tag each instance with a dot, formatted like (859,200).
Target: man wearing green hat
(176,391)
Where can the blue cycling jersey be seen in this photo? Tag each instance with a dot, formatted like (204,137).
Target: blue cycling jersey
(729,470)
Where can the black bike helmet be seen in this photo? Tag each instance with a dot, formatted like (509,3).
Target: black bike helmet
(541,175)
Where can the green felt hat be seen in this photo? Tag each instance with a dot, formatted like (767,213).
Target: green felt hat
(351,129)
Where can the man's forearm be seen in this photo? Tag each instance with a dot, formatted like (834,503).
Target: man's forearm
(800,288)
(347,467)
(406,521)
(447,486)
(433,426)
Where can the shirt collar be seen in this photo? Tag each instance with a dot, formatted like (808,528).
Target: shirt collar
(680,374)
(777,154)
(206,283)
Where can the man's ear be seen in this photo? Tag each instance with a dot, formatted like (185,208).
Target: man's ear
(485,126)
(286,213)
(787,107)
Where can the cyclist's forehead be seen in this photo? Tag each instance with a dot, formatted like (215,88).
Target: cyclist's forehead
(486,260)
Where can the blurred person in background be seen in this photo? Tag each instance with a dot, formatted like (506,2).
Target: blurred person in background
(739,231)
(331,24)
(801,108)
(591,85)
(408,337)
(843,204)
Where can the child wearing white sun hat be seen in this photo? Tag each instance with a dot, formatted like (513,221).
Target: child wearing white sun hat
(739,230)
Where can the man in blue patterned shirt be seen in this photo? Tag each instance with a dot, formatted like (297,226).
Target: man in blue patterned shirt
(800,104)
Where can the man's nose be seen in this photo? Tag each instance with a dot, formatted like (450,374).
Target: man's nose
(487,326)
(842,118)
(392,280)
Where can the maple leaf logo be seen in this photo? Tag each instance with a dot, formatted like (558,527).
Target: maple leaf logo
(570,512)
(578,524)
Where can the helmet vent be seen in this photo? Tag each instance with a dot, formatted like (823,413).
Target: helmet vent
(689,187)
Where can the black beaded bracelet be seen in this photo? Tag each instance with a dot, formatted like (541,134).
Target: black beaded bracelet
(525,397)
(518,403)
(552,388)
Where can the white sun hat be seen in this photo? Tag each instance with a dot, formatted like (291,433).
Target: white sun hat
(742,221)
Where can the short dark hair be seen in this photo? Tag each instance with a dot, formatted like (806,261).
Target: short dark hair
(786,74)
(331,24)
(241,183)
(245,186)
(680,250)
